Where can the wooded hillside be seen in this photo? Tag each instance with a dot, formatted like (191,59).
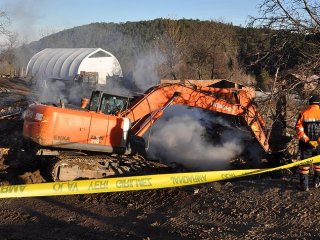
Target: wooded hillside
(176,49)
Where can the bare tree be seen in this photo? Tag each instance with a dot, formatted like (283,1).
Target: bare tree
(7,40)
(296,23)
(301,16)
(4,32)
(291,44)
(7,56)
(172,45)
(212,50)
(3,22)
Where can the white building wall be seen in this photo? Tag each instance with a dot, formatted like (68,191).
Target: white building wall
(105,66)
(65,63)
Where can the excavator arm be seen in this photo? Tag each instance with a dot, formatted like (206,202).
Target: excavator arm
(236,102)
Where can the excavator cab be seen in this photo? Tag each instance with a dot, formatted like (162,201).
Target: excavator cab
(107,103)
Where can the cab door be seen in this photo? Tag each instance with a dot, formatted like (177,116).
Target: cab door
(106,128)
(98,128)
(99,120)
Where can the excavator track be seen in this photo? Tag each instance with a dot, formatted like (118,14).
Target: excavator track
(69,168)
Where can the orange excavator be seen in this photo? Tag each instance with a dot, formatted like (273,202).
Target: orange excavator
(106,133)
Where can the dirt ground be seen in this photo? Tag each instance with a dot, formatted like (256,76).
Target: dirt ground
(260,207)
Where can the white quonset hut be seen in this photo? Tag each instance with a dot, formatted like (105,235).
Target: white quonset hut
(68,63)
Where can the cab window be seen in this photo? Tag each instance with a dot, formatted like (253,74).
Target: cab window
(112,104)
(94,101)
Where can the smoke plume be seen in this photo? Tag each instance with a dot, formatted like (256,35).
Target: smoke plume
(145,71)
(181,137)
(49,91)
(24,16)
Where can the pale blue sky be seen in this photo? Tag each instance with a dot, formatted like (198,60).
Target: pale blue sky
(35,18)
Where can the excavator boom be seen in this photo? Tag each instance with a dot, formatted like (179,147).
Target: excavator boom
(236,102)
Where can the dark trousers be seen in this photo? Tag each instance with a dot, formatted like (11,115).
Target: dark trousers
(304,169)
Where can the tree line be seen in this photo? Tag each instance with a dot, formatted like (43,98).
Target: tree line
(284,36)
(183,49)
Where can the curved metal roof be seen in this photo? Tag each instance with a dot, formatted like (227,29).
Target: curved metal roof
(61,63)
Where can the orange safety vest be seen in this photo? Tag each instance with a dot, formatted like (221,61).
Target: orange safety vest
(308,124)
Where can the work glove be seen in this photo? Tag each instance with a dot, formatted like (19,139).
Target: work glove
(312,144)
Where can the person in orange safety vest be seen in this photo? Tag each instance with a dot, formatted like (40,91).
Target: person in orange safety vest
(308,131)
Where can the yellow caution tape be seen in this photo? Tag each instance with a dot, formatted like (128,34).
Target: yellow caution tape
(121,184)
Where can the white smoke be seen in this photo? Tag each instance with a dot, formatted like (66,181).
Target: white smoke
(49,91)
(145,71)
(25,16)
(180,137)
(144,76)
